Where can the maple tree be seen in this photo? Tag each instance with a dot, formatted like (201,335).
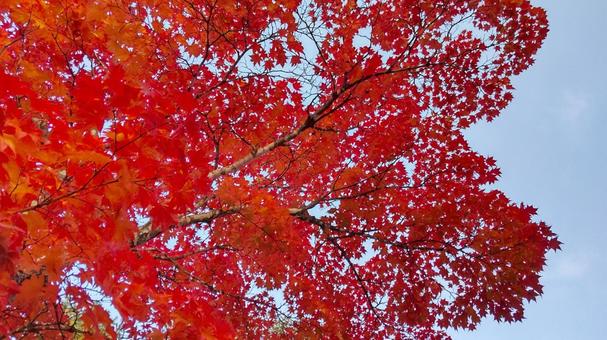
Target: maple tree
(239,168)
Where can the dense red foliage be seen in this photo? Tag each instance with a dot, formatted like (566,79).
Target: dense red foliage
(240,168)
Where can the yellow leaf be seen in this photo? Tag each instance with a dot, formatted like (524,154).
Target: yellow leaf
(88,156)
(36,224)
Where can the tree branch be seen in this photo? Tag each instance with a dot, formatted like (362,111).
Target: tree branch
(149,231)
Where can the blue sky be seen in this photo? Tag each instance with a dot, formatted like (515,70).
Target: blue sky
(551,145)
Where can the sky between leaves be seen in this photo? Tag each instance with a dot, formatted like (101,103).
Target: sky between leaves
(551,145)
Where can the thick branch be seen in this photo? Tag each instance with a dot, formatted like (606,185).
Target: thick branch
(308,123)
(149,231)
(442,246)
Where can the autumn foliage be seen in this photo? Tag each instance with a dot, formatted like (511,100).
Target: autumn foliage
(278,169)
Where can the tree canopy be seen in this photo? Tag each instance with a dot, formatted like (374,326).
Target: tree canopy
(276,169)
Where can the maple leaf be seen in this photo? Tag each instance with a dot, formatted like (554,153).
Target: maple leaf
(260,169)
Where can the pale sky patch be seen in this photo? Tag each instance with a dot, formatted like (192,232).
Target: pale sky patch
(576,105)
(572,267)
